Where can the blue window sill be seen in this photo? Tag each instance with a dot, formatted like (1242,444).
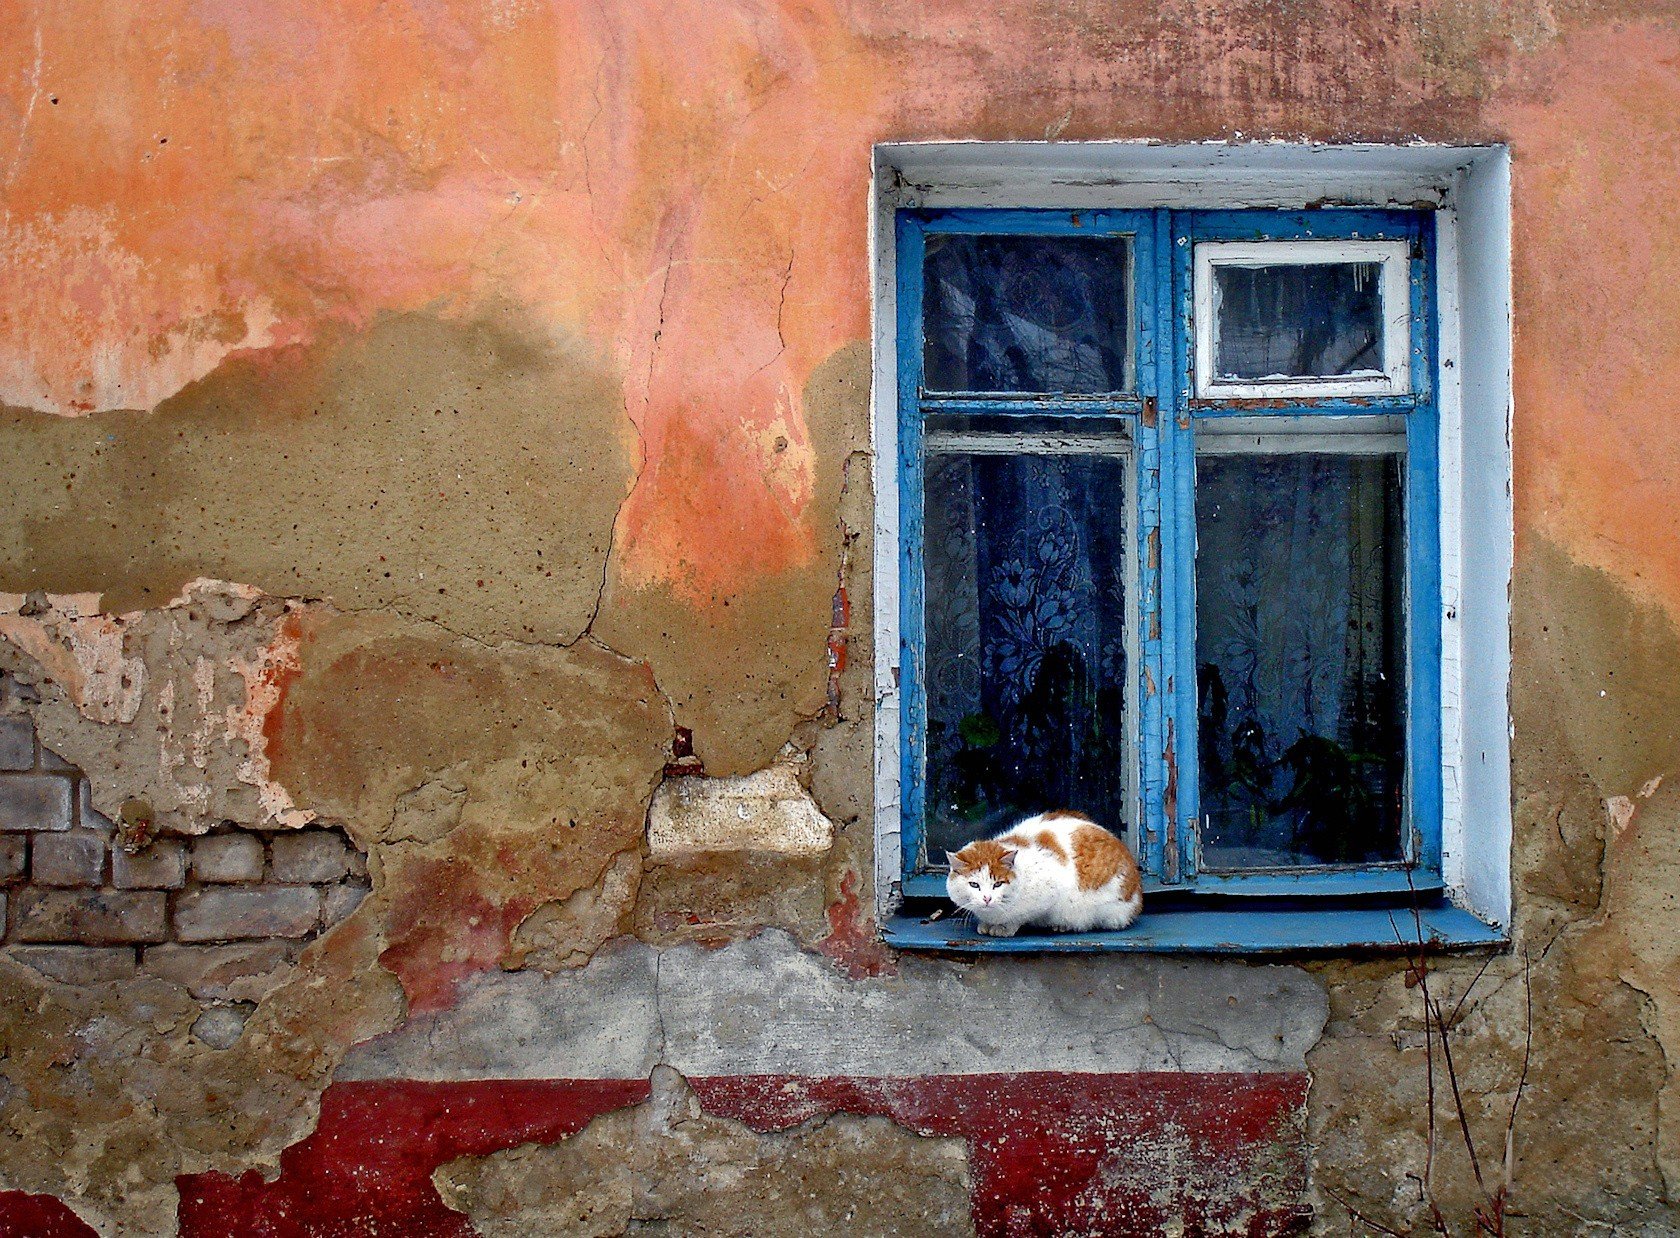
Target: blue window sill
(1220,931)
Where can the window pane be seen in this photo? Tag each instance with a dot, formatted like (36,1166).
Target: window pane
(1300,321)
(1300,594)
(1026,641)
(1029,314)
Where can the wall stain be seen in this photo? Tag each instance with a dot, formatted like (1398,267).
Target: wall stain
(464,473)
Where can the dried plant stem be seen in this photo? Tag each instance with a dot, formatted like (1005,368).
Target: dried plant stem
(1354,1214)
(1488,1215)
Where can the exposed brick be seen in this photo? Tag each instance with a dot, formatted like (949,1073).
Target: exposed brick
(308,855)
(14,856)
(77,964)
(229,913)
(246,971)
(17,743)
(73,859)
(227,857)
(159,866)
(51,760)
(98,917)
(35,801)
(92,818)
(340,902)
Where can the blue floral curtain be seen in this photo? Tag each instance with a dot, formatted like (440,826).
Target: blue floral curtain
(1299,580)
(1026,641)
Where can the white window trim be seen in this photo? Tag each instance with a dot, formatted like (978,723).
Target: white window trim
(1471,187)
(1394,379)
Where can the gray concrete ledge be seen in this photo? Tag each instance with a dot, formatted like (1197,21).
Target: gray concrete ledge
(763,1006)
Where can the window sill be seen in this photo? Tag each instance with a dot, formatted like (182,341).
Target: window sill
(1220,931)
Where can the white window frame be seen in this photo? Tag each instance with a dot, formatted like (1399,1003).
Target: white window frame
(1393,379)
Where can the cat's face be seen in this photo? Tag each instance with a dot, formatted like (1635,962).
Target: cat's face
(982,878)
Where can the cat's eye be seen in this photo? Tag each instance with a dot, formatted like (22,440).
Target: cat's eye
(975,884)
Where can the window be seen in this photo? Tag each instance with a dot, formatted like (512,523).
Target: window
(1170,551)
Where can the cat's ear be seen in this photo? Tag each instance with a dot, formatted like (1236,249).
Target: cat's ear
(1008,857)
(955,861)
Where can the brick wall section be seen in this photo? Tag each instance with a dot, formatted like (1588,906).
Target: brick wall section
(225,914)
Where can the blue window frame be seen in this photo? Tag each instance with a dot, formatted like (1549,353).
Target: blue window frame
(1015,361)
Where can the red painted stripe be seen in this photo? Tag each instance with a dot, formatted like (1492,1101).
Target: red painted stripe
(1063,1154)
(23,1215)
(1050,1153)
(367,1169)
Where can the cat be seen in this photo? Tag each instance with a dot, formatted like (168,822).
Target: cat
(1058,870)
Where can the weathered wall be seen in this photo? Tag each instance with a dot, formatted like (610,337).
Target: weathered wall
(432,422)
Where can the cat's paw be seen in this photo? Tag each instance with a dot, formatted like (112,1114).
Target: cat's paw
(997,930)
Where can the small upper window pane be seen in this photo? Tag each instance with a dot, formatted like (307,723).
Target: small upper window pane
(1313,318)
(1319,321)
(1027,314)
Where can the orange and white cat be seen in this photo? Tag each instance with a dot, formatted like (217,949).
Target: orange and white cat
(1058,870)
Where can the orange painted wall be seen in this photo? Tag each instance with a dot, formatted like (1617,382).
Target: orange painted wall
(683,188)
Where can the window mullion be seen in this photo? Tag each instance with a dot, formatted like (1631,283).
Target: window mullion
(1178,559)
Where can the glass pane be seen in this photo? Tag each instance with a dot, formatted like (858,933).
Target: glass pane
(1026,313)
(1299,321)
(1300,595)
(1026,641)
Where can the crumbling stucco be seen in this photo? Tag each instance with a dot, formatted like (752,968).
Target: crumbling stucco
(513,359)
(556,752)
(567,932)
(1597,715)
(667,1163)
(109,1095)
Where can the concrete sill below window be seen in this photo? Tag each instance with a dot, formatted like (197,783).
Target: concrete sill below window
(1292,930)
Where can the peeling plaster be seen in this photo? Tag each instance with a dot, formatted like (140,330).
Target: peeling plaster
(514,358)
(166,706)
